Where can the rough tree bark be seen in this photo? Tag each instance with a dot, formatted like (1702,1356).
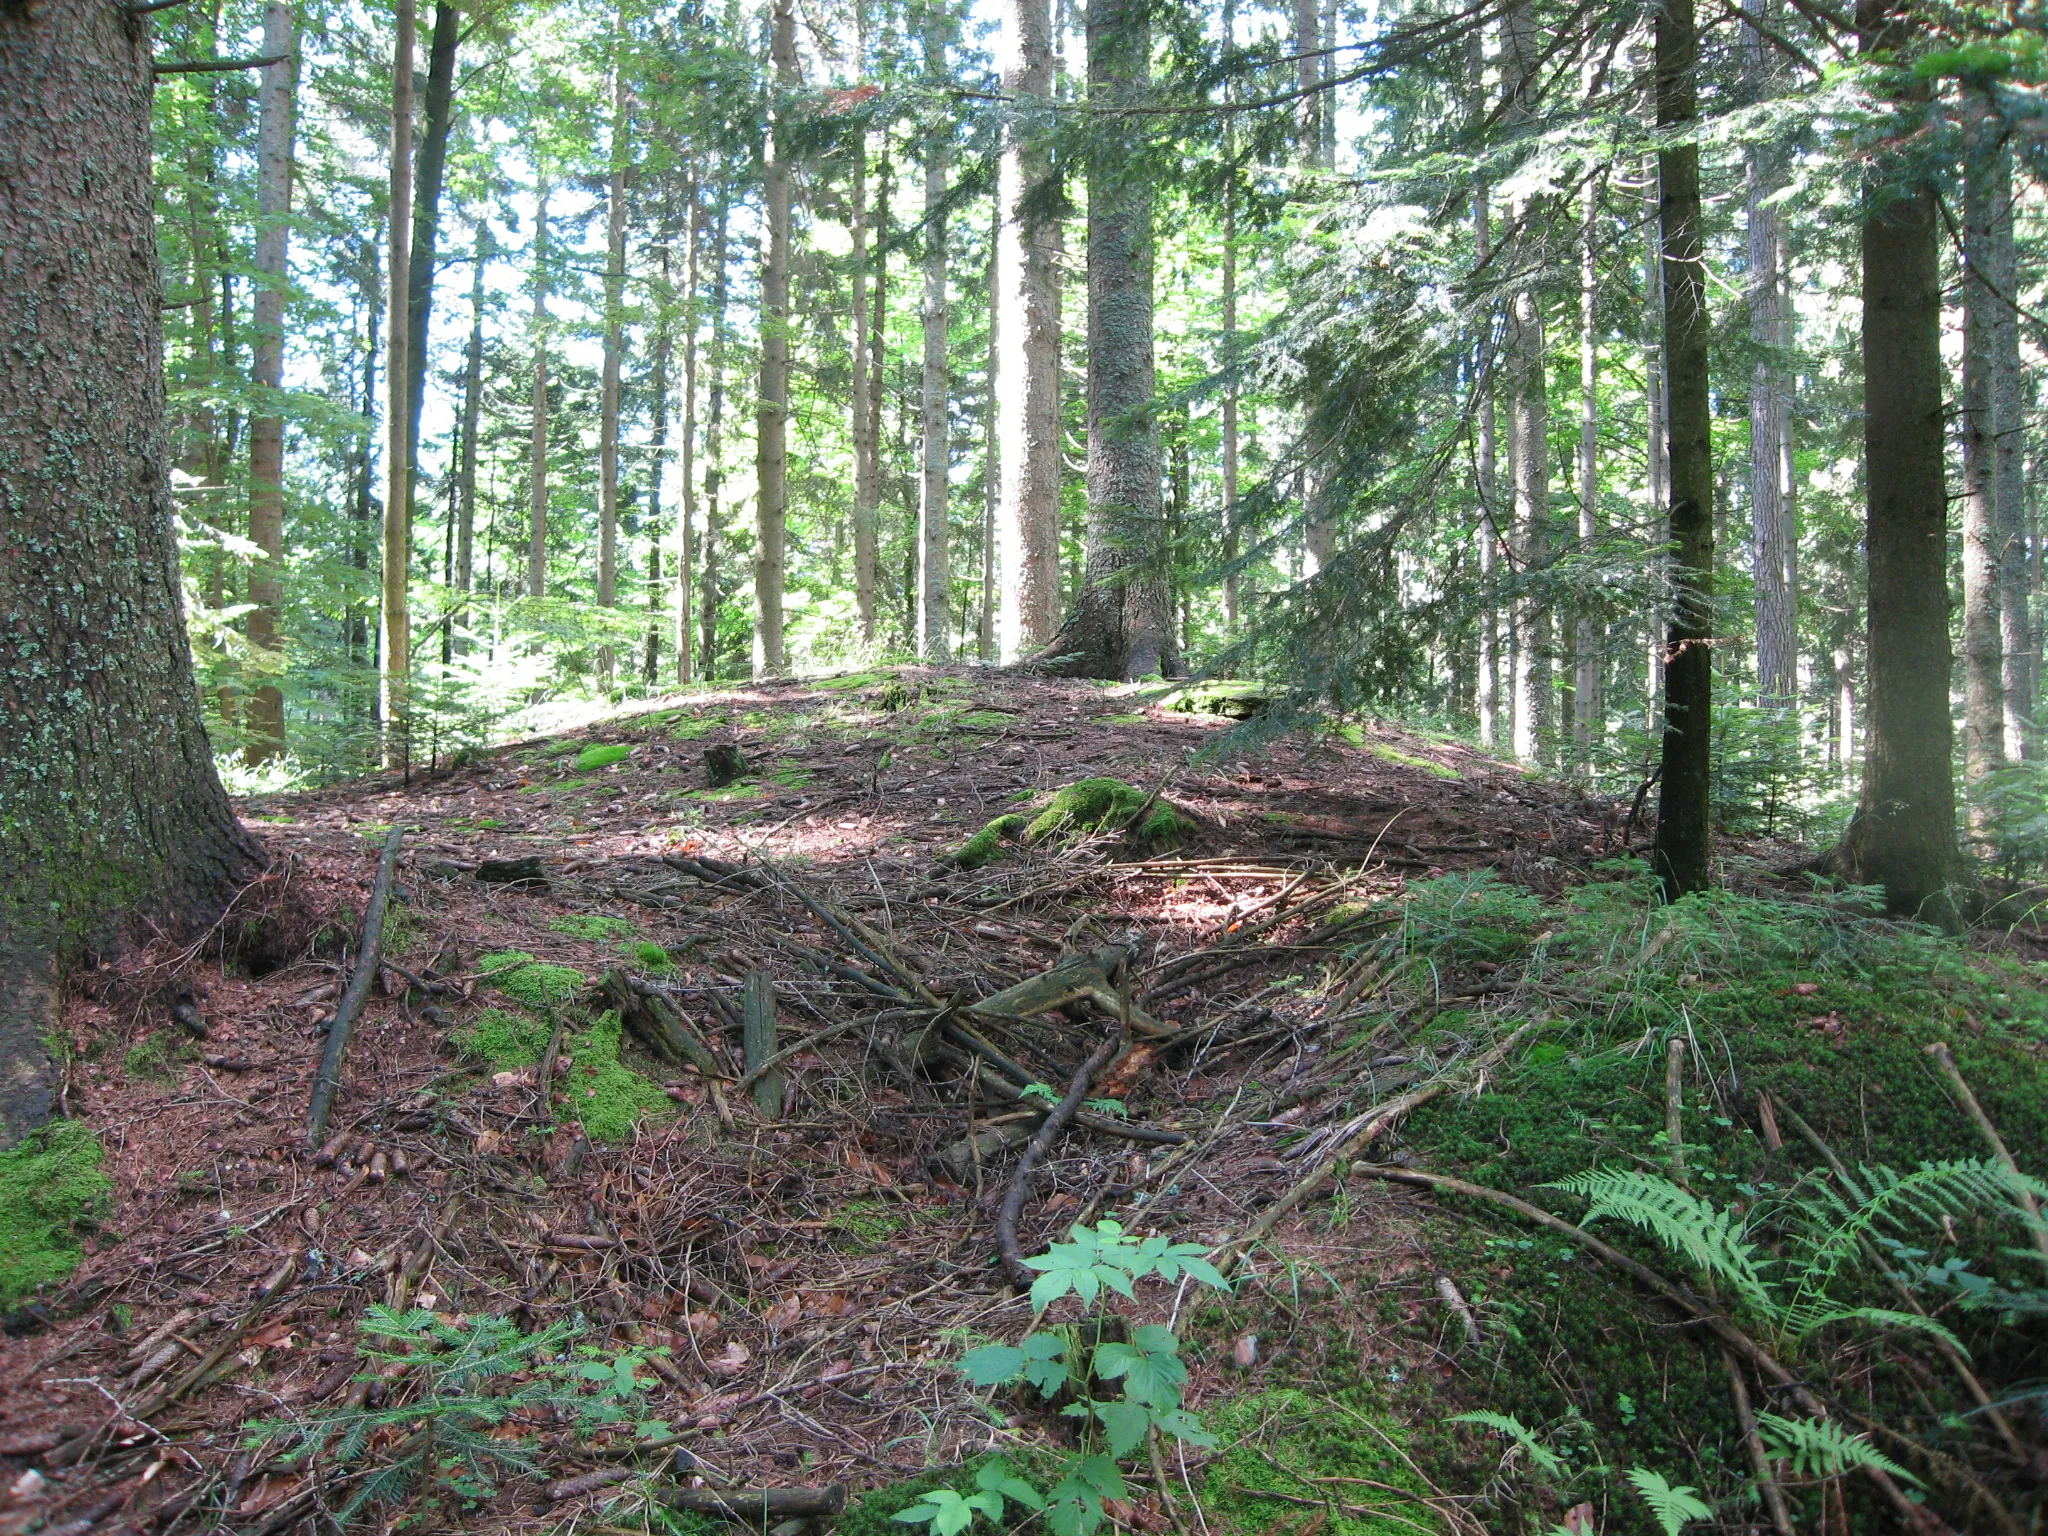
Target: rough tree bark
(437,116)
(935,563)
(686,520)
(1486,687)
(771,432)
(1903,835)
(110,811)
(266,371)
(1122,624)
(1528,424)
(1682,851)
(1658,480)
(1028,250)
(397,578)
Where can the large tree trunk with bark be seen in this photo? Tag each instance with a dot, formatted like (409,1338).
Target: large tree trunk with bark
(437,118)
(397,680)
(1903,836)
(1027,393)
(1589,643)
(934,562)
(714,428)
(1122,625)
(111,815)
(1528,422)
(266,372)
(771,431)
(1681,854)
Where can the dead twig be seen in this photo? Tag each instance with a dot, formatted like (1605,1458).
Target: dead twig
(328,1080)
(1034,1153)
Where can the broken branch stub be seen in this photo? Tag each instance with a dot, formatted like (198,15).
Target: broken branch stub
(757,1036)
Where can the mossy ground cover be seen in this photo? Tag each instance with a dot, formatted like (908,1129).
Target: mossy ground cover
(1085,806)
(608,1096)
(50,1185)
(1815,1004)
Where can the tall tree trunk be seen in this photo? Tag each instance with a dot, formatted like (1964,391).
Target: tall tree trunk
(437,118)
(1122,626)
(1903,836)
(537,508)
(686,562)
(2009,408)
(362,647)
(1486,687)
(1589,643)
(1027,390)
(1682,852)
(1318,530)
(714,462)
(991,476)
(1528,425)
(657,465)
(1772,539)
(935,562)
(866,460)
(1657,448)
(266,372)
(1983,637)
(112,820)
(614,351)
(878,347)
(398,488)
(472,415)
(771,447)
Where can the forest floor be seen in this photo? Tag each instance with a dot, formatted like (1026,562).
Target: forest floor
(1326,929)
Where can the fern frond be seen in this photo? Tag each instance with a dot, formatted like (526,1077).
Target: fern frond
(1715,1242)
(1965,1187)
(1519,1433)
(1675,1507)
(1801,1320)
(1822,1448)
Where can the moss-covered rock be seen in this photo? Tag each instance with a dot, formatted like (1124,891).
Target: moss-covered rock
(49,1184)
(598,755)
(1083,807)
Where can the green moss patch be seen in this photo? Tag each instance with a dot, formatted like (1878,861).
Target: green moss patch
(590,925)
(606,1095)
(1088,805)
(1233,700)
(597,756)
(538,985)
(1386,753)
(149,1060)
(1311,1448)
(696,727)
(648,955)
(50,1184)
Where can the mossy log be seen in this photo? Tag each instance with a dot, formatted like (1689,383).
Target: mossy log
(656,1023)
(1084,978)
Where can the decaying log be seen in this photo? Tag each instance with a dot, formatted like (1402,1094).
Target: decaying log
(521,871)
(760,1504)
(757,1037)
(328,1081)
(1083,978)
(656,1023)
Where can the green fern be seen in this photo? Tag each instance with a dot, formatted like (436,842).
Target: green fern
(1520,1434)
(1822,1448)
(1674,1507)
(1716,1242)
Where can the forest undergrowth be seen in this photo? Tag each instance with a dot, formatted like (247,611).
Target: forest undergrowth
(1297,1051)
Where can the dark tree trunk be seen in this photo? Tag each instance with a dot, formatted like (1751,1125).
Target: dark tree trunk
(426,217)
(1903,836)
(110,810)
(1680,856)
(1122,625)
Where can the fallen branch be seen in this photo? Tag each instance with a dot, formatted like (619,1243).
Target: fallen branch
(1367,1129)
(1034,1153)
(764,1505)
(328,1081)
